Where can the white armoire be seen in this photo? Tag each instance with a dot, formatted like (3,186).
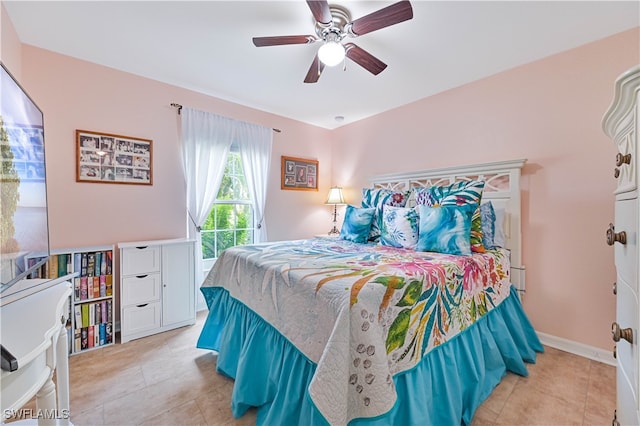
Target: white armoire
(622,124)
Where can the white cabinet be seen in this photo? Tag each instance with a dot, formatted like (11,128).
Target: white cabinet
(157,286)
(622,124)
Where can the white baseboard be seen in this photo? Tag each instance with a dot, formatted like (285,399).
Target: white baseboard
(576,348)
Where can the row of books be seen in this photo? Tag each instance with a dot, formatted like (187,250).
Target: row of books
(87,264)
(89,314)
(90,264)
(85,288)
(93,336)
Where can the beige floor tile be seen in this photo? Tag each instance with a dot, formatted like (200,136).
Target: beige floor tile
(165,379)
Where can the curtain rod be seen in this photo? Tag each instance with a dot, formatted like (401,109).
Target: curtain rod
(180,109)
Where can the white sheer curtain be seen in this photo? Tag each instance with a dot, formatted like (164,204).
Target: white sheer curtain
(206,141)
(254,144)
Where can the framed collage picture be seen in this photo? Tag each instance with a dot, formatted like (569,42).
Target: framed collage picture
(109,158)
(299,174)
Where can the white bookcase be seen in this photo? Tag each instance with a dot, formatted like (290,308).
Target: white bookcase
(90,269)
(157,286)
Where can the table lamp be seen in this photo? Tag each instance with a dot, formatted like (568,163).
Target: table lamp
(335,197)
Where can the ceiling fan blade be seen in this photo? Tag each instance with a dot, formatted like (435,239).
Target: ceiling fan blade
(365,59)
(390,15)
(280,40)
(314,71)
(320,11)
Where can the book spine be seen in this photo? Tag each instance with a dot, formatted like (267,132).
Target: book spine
(83,265)
(77,340)
(89,287)
(103,334)
(109,332)
(53,266)
(76,288)
(109,263)
(90,336)
(98,261)
(103,263)
(104,311)
(96,286)
(103,285)
(62,265)
(109,285)
(84,288)
(85,315)
(84,338)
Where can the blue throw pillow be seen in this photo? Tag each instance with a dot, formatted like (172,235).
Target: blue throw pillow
(399,227)
(445,229)
(357,224)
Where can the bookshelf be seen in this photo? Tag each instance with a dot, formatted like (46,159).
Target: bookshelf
(91,311)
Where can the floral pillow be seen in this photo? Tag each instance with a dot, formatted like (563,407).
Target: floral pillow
(399,227)
(445,229)
(459,193)
(357,224)
(378,197)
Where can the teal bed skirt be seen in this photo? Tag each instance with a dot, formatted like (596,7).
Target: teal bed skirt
(445,388)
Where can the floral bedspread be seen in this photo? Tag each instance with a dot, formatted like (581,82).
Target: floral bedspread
(362,313)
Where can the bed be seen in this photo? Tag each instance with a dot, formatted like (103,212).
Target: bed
(337,331)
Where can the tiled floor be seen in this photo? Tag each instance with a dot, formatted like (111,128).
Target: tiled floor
(165,380)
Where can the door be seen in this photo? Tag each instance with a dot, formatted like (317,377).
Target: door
(178,298)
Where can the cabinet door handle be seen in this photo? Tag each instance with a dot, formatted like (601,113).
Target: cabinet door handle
(142,247)
(612,236)
(142,276)
(141,306)
(623,159)
(621,333)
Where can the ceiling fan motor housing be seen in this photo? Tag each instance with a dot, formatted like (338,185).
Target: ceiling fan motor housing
(340,18)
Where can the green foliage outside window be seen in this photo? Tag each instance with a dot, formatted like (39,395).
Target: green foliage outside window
(230,222)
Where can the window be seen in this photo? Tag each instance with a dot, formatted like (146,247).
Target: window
(230,222)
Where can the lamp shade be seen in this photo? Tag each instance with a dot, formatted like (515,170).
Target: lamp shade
(331,53)
(335,196)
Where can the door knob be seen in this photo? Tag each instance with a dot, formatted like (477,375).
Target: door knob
(621,333)
(613,236)
(623,159)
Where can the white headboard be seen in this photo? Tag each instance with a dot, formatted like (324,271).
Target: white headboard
(502,188)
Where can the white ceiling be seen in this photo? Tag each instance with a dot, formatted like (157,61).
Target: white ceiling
(206,46)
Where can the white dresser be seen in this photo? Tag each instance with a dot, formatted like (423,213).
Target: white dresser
(622,124)
(157,287)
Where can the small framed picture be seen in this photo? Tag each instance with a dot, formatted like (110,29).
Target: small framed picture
(109,158)
(299,174)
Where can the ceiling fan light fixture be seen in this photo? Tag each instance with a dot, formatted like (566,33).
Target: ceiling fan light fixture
(331,53)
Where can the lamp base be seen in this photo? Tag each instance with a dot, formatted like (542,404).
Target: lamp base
(334,232)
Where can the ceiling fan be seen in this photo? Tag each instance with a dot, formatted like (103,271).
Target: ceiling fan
(333,24)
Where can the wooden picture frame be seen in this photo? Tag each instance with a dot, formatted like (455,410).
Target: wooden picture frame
(110,158)
(299,174)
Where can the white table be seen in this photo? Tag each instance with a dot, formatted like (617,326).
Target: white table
(33,330)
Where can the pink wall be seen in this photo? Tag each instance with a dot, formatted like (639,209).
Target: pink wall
(74,94)
(548,112)
(9,44)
